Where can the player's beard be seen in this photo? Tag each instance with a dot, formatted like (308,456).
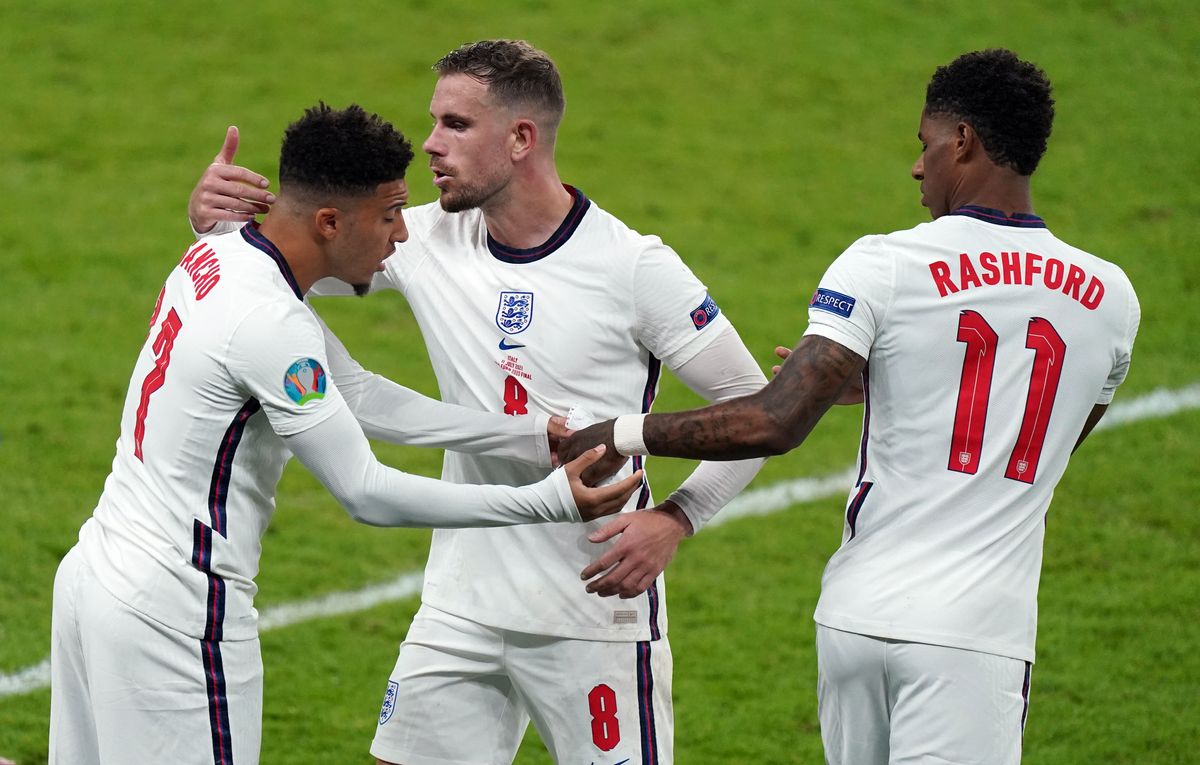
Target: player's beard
(361,289)
(468,196)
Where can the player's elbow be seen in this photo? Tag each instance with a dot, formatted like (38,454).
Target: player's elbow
(359,506)
(775,439)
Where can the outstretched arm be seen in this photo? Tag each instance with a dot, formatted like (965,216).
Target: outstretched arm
(772,421)
(390,412)
(337,453)
(723,370)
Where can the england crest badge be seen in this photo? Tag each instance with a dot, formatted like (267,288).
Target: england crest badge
(515,311)
(389,702)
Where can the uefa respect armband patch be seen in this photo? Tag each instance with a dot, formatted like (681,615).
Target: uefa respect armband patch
(834,302)
(304,381)
(705,312)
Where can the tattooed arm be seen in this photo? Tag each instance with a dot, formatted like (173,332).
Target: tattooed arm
(772,421)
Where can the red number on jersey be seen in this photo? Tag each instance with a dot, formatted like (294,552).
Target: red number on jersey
(516,398)
(1048,353)
(157,307)
(606,731)
(157,376)
(973,391)
(975,387)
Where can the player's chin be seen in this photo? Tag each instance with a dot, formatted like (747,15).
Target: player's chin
(450,202)
(361,288)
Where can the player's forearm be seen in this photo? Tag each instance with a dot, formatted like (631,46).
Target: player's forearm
(390,412)
(388,497)
(711,486)
(734,430)
(338,455)
(723,371)
(393,413)
(772,421)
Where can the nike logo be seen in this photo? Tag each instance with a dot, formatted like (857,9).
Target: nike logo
(504,346)
(622,762)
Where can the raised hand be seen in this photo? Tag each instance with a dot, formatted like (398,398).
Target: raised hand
(648,540)
(227,191)
(602,500)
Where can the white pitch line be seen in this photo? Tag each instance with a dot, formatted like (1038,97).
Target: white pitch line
(1161,402)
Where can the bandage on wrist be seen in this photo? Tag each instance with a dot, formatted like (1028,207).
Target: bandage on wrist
(627,435)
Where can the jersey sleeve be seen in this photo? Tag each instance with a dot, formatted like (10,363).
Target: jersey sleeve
(853,296)
(337,453)
(1124,351)
(393,413)
(277,352)
(219,228)
(723,370)
(676,317)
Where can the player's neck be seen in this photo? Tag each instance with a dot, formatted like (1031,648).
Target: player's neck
(297,249)
(529,211)
(1002,189)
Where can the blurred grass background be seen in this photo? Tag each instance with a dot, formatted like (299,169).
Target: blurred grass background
(759,139)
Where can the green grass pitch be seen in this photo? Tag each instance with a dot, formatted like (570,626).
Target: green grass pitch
(757,138)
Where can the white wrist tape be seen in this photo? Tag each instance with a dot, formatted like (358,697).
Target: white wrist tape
(627,435)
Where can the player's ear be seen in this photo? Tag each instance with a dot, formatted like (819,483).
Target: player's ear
(966,142)
(327,221)
(524,138)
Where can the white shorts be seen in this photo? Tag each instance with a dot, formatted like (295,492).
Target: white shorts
(127,689)
(463,694)
(887,701)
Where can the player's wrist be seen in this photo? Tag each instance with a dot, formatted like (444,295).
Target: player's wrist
(680,517)
(627,435)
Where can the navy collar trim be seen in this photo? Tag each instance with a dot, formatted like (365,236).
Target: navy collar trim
(560,236)
(1001,218)
(255,239)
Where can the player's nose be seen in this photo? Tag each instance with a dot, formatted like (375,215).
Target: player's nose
(432,145)
(918,169)
(399,229)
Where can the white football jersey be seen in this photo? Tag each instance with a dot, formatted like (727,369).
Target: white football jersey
(586,320)
(235,363)
(177,529)
(988,341)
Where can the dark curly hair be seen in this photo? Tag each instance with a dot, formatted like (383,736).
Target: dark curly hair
(341,153)
(515,73)
(1006,100)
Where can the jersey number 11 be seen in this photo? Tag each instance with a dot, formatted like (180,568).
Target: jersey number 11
(976,385)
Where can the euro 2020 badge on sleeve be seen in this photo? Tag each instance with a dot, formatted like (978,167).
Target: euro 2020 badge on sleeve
(304,381)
